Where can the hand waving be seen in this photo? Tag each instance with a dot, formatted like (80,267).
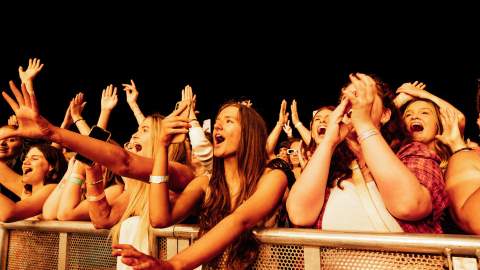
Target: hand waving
(34,67)
(131,92)
(109,98)
(30,123)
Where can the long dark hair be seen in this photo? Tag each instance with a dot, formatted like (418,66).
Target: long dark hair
(393,132)
(56,159)
(252,159)
(313,145)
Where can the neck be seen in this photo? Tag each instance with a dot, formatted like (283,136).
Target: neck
(231,170)
(36,187)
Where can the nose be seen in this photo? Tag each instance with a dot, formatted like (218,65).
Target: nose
(217,126)
(3,142)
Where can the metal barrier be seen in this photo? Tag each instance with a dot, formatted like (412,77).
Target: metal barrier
(77,245)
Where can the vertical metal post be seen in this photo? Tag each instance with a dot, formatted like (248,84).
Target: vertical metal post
(311,257)
(3,247)
(62,251)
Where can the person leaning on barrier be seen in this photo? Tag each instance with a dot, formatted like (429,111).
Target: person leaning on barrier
(230,203)
(355,181)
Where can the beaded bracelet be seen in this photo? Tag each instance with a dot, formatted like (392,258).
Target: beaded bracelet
(366,134)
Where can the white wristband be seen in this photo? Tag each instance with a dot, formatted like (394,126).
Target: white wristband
(158,179)
(95,198)
(297,125)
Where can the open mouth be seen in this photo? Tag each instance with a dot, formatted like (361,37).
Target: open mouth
(321,130)
(416,127)
(27,171)
(219,139)
(138,147)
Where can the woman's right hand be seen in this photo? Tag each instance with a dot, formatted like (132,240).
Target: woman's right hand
(174,124)
(131,92)
(136,259)
(283,114)
(293,109)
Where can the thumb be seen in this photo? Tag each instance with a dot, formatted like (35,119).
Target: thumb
(83,104)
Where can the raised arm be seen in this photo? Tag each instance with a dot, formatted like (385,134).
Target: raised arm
(66,123)
(272,185)
(132,95)
(418,91)
(108,102)
(277,130)
(76,107)
(304,132)
(27,76)
(403,194)
(117,159)
(308,192)
(162,214)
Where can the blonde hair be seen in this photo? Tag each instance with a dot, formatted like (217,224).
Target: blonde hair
(138,202)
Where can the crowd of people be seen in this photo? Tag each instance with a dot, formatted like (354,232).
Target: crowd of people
(378,161)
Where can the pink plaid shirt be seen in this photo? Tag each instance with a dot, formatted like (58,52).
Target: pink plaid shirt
(425,164)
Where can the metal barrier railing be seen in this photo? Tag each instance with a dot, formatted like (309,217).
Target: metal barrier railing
(77,245)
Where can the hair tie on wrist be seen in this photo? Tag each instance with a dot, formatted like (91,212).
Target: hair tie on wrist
(462,149)
(79,119)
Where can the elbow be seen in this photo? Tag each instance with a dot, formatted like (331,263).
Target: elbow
(49,216)
(299,216)
(62,216)
(412,211)
(6,216)
(102,225)
(159,222)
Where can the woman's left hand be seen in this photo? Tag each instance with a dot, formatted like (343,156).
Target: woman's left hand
(361,96)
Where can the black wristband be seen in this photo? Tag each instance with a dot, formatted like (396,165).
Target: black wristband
(79,119)
(462,149)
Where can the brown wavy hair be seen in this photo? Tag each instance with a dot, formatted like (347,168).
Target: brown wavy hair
(442,150)
(252,159)
(393,131)
(313,145)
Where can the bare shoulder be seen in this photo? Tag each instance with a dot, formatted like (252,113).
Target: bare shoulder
(463,166)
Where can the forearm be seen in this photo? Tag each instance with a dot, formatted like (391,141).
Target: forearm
(82,126)
(273,139)
(10,179)
(111,156)
(401,191)
(211,244)
(70,199)
(308,192)
(304,133)
(103,118)
(100,211)
(160,214)
(137,112)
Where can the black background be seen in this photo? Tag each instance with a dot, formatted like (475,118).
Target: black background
(261,54)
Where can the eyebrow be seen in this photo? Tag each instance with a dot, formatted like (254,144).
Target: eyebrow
(421,109)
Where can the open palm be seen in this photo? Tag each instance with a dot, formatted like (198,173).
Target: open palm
(33,69)
(30,123)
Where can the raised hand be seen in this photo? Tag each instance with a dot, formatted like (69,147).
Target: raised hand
(190,99)
(361,94)
(109,98)
(283,114)
(34,67)
(76,106)
(293,109)
(336,129)
(136,259)
(12,120)
(403,91)
(288,129)
(67,119)
(30,123)
(174,124)
(131,92)
(451,135)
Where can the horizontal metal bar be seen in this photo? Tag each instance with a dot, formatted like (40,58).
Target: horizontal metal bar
(400,242)
(55,226)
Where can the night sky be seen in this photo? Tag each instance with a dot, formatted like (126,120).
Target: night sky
(264,62)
